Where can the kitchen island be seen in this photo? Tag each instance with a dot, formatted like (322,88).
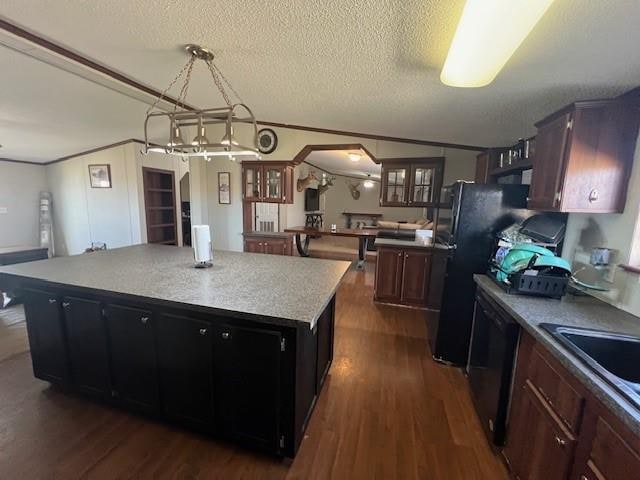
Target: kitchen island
(240,350)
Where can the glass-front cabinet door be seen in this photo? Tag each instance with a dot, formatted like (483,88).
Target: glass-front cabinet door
(274,183)
(252,182)
(394,185)
(422,191)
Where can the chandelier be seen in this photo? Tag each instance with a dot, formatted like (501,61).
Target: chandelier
(183,116)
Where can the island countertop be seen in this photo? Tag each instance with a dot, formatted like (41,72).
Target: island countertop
(270,288)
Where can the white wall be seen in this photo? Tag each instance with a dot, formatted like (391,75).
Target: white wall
(226,220)
(615,231)
(116,215)
(20,186)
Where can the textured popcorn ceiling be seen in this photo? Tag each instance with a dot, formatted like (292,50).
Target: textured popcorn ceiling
(361,65)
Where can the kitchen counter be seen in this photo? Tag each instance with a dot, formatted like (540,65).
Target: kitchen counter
(578,311)
(267,288)
(396,242)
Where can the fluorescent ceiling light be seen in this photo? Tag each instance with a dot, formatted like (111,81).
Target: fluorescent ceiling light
(489,32)
(355,157)
(368,183)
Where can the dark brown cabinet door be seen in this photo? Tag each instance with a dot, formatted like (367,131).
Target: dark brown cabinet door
(275,246)
(549,163)
(88,353)
(133,356)
(247,383)
(185,355)
(46,336)
(253,245)
(538,446)
(416,269)
(425,184)
(252,182)
(388,281)
(325,345)
(274,183)
(395,185)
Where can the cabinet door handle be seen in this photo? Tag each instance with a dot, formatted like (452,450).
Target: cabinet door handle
(400,254)
(203,331)
(406,255)
(52,301)
(594,195)
(266,244)
(66,304)
(144,320)
(583,477)
(560,441)
(225,335)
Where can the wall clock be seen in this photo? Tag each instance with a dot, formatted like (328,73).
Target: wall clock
(267,140)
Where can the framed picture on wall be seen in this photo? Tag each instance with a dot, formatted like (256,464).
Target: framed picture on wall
(100,176)
(224,188)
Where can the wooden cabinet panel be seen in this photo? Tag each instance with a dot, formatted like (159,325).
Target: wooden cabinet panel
(566,402)
(88,353)
(275,245)
(539,446)
(253,245)
(388,281)
(247,382)
(411,182)
(548,164)
(133,356)
(416,269)
(482,168)
(611,456)
(46,336)
(325,345)
(185,355)
(267,181)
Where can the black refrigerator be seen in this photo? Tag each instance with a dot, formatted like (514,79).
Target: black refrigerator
(470,217)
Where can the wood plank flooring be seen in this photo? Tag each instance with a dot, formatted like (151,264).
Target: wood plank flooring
(387,412)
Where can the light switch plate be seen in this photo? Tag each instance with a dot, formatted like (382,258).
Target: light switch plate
(4,210)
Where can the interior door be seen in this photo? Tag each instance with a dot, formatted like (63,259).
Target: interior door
(46,336)
(133,356)
(416,270)
(185,354)
(88,352)
(247,382)
(388,281)
(548,164)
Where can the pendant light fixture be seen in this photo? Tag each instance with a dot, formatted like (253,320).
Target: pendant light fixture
(183,116)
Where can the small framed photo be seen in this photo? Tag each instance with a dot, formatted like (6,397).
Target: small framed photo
(100,176)
(224,188)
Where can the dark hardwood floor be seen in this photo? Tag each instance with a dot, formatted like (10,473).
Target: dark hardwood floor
(387,412)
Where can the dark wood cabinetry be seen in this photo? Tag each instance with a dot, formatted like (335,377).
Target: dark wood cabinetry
(160,206)
(133,356)
(185,362)
(411,182)
(86,333)
(274,245)
(46,336)
(247,373)
(267,181)
(403,277)
(583,157)
(254,382)
(558,430)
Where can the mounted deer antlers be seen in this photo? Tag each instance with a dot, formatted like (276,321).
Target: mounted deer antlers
(323,187)
(353,188)
(306,181)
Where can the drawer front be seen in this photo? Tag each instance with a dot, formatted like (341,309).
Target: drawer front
(565,401)
(611,457)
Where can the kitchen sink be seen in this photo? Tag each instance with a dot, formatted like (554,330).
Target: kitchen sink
(614,357)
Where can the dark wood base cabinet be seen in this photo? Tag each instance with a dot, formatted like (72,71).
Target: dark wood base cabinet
(273,245)
(253,382)
(559,431)
(409,276)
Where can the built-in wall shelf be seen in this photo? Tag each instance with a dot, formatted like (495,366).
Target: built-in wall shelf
(160,206)
(514,168)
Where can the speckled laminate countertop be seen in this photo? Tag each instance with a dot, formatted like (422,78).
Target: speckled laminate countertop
(270,288)
(576,311)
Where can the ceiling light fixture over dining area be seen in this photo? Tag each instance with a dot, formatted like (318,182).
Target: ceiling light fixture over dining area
(183,116)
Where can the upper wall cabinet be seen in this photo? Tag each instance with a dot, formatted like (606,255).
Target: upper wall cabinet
(411,182)
(267,182)
(583,157)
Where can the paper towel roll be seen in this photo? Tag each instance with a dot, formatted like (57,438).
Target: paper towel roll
(201,239)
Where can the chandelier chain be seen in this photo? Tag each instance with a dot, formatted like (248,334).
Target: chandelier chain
(173,82)
(227,82)
(218,82)
(182,96)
